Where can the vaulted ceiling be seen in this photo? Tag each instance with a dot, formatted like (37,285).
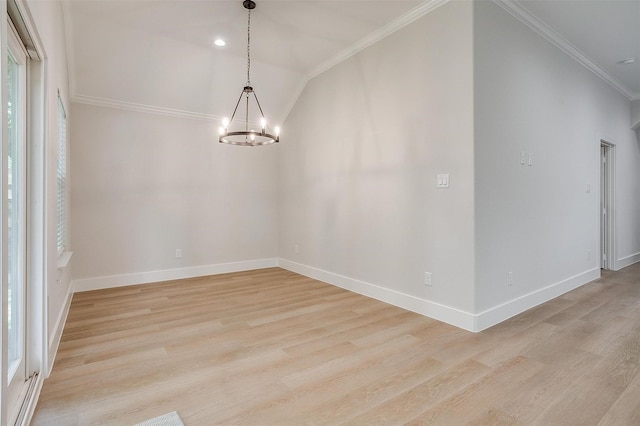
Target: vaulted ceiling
(159,54)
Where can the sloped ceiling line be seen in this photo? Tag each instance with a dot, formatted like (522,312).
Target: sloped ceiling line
(527,18)
(511,6)
(402,21)
(388,29)
(374,37)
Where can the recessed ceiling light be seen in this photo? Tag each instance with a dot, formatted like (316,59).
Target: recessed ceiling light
(627,61)
(219,42)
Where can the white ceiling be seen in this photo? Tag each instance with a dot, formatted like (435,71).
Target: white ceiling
(160,53)
(605,31)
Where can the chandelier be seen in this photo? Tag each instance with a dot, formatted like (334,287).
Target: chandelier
(242,132)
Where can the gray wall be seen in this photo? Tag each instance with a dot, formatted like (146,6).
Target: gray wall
(145,185)
(350,195)
(635,114)
(540,222)
(365,143)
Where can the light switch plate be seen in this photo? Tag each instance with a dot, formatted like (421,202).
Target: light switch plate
(442,181)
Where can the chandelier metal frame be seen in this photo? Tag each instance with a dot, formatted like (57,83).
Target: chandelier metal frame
(248,136)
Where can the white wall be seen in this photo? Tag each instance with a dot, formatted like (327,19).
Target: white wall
(145,185)
(358,170)
(635,114)
(48,19)
(540,222)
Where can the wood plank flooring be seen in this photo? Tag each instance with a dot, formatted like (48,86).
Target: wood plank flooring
(271,347)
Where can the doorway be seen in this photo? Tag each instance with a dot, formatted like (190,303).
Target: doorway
(606,205)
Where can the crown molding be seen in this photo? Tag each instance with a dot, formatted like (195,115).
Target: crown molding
(511,6)
(374,37)
(530,20)
(377,35)
(149,109)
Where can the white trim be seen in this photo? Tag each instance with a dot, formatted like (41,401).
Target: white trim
(523,15)
(400,22)
(33,401)
(502,312)
(377,35)
(97,283)
(374,37)
(56,333)
(447,314)
(149,109)
(424,307)
(612,264)
(623,262)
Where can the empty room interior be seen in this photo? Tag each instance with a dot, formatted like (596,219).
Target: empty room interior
(320,212)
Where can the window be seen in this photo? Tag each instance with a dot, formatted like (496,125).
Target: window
(61,177)
(16,220)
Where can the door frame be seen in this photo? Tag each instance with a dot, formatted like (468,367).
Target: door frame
(36,271)
(607,205)
(18,383)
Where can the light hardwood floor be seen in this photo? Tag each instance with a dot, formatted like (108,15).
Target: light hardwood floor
(270,347)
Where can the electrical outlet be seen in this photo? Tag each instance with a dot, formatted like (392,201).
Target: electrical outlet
(510,279)
(296,248)
(427,279)
(589,255)
(178,253)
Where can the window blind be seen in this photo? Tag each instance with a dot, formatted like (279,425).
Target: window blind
(61,176)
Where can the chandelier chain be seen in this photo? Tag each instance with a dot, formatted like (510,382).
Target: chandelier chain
(248,47)
(232,134)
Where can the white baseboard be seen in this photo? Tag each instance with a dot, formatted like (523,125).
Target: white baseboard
(424,307)
(453,316)
(465,320)
(112,281)
(502,312)
(56,333)
(627,261)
